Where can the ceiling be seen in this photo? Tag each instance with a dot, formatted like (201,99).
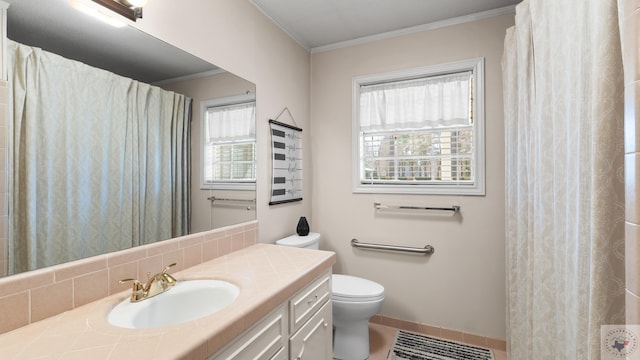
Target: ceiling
(318,23)
(55,26)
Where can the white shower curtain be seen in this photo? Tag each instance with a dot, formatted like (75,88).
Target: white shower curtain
(99,162)
(563,94)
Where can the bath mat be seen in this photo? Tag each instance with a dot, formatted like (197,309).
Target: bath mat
(412,346)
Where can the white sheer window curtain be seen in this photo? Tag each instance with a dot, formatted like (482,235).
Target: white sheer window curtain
(99,162)
(437,101)
(563,98)
(231,122)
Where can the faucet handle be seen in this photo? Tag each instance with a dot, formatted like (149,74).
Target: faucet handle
(137,292)
(168,267)
(135,281)
(168,278)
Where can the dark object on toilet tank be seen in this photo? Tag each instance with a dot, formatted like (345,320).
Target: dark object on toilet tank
(303,227)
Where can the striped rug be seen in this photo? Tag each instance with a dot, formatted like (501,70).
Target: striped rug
(411,346)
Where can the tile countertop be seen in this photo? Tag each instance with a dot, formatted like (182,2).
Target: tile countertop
(266,274)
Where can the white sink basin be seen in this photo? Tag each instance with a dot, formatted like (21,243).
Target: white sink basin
(187,300)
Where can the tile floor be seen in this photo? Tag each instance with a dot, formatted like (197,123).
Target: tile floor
(381,338)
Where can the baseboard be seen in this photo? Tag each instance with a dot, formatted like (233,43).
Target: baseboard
(455,335)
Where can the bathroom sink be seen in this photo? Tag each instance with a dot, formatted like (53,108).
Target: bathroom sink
(187,300)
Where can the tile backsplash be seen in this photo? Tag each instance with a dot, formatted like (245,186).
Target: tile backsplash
(32,296)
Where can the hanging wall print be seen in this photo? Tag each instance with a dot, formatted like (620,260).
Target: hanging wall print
(286,142)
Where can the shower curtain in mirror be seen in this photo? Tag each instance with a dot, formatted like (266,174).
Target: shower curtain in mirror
(563,94)
(99,161)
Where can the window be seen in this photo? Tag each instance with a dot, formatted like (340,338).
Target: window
(420,131)
(229,138)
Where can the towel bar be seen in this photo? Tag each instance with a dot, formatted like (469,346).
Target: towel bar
(213,198)
(454,209)
(427,250)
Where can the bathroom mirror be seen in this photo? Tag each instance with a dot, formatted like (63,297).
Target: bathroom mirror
(56,27)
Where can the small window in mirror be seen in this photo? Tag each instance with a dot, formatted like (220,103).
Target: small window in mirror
(229,141)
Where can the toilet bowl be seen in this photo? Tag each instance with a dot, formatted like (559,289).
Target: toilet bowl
(355,300)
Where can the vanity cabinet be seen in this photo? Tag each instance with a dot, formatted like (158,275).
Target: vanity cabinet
(299,329)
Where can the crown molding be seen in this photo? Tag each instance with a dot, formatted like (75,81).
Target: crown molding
(296,38)
(419,28)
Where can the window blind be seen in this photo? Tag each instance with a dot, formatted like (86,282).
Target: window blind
(418,157)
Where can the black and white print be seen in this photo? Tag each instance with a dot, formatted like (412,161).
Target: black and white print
(286,143)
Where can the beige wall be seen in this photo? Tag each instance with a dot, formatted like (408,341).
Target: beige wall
(205,215)
(236,36)
(461,286)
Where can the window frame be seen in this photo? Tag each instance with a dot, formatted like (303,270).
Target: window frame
(478,160)
(223,185)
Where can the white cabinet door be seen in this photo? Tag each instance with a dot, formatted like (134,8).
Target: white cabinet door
(314,339)
(264,341)
(308,300)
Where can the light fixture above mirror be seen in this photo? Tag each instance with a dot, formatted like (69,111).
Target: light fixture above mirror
(130,9)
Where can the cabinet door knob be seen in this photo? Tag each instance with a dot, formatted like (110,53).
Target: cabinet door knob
(313,300)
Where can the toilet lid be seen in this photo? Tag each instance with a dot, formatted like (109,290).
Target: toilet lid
(352,288)
(299,241)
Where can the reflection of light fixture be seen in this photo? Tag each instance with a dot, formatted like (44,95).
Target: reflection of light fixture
(137,3)
(109,9)
(97,12)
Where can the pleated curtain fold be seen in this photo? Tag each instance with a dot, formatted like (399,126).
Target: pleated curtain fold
(99,162)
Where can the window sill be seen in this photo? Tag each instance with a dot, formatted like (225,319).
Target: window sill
(229,186)
(473,190)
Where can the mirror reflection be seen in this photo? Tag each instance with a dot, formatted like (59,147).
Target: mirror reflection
(116,146)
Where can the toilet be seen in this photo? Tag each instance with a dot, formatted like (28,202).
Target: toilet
(355,300)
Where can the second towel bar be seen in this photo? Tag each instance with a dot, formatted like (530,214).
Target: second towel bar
(213,198)
(454,209)
(427,250)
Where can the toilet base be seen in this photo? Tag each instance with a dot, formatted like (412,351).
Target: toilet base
(351,340)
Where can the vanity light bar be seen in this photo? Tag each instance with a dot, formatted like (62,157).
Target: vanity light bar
(92,10)
(131,13)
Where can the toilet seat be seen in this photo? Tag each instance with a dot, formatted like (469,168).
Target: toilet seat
(354,289)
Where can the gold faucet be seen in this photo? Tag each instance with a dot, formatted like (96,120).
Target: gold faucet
(156,284)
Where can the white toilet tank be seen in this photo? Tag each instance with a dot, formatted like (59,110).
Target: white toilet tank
(311,241)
